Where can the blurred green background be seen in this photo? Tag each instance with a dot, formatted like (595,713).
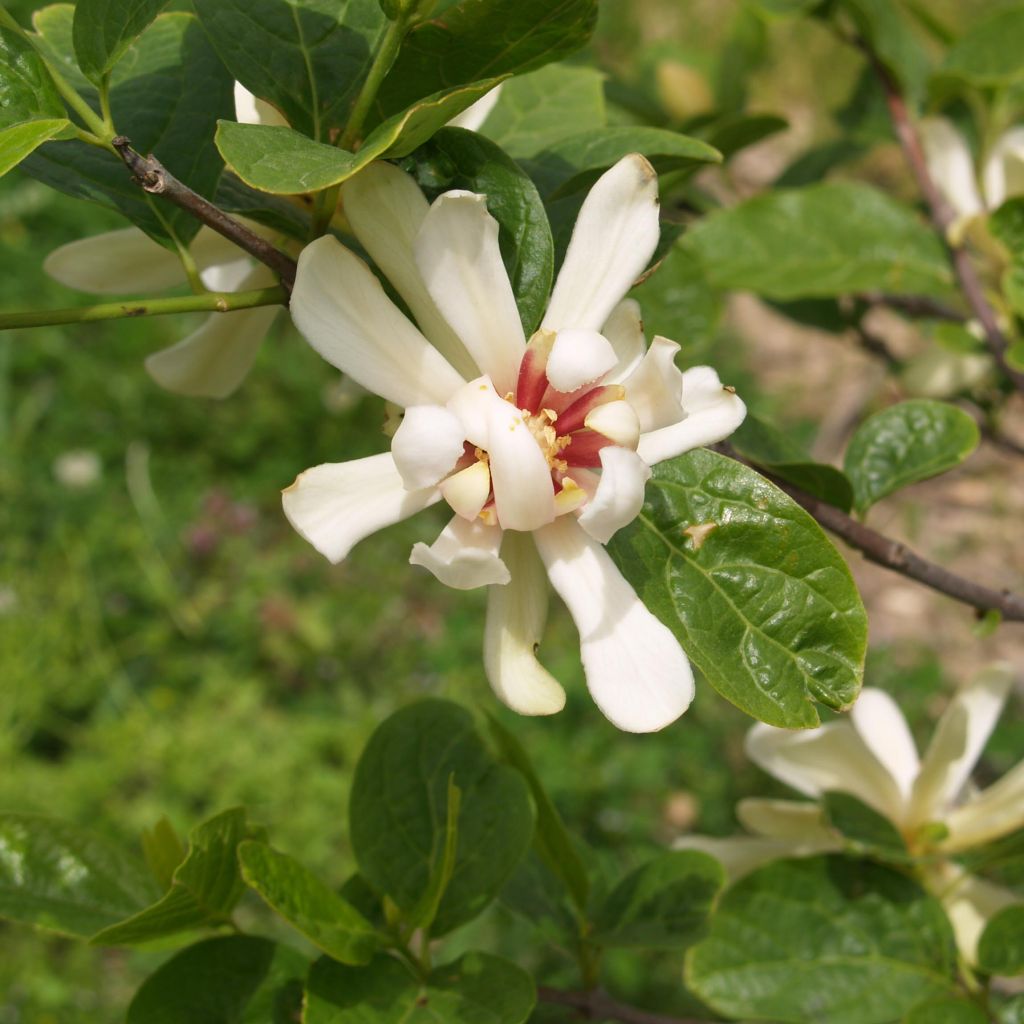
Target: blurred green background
(169,646)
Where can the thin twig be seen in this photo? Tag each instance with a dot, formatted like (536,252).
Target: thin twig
(942,217)
(598,1005)
(893,554)
(157,180)
(914,305)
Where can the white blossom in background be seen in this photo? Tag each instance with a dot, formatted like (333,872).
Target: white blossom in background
(541,447)
(871,755)
(78,470)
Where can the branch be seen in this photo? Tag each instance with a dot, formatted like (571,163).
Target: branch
(914,305)
(893,554)
(598,1005)
(942,217)
(157,180)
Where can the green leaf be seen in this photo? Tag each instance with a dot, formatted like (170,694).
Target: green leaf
(825,939)
(761,601)
(991,52)
(478,989)
(458,159)
(105,29)
(1012,1011)
(537,110)
(308,58)
(824,240)
(784,8)
(19,140)
(734,132)
(56,876)
(947,1010)
(234,196)
(398,812)
(540,897)
(163,851)
(167,93)
(27,92)
(774,451)
(204,888)
(886,30)
(1007,224)
(815,163)
(870,833)
(472,41)
(664,904)
(237,979)
(1001,861)
(328,921)
(1001,947)
(904,444)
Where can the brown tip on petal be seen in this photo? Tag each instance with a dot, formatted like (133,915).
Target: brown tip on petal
(729,388)
(646,168)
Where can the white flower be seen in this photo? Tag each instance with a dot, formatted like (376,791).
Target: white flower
(872,756)
(540,447)
(78,469)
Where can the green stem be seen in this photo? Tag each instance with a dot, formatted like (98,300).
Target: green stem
(209,302)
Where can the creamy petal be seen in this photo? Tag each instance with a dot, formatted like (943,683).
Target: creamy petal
(468,490)
(427,445)
(464,556)
(251,110)
(743,854)
(951,164)
(617,421)
(578,358)
(884,731)
(636,671)
(473,117)
(458,257)
(115,263)
(341,309)
(625,330)
(789,820)
(337,504)
(615,236)
(970,902)
(1003,175)
(655,387)
(230,277)
(619,496)
(516,614)
(994,812)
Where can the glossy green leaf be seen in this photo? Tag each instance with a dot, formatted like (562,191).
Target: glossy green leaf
(204,888)
(537,110)
(947,1010)
(27,92)
(306,903)
(458,159)
(163,851)
(277,213)
(540,897)
(826,939)
(478,989)
(105,29)
(991,52)
(869,833)
(761,601)
(1001,861)
(823,240)
(885,28)
(1001,947)
(398,811)
(1007,224)
(319,53)
(904,444)
(19,140)
(54,27)
(664,904)
(772,450)
(734,132)
(237,979)
(472,41)
(59,877)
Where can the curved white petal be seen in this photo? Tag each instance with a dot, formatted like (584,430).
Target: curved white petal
(251,110)
(619,496)
(116,263)
(458,257)
(951,165)
(994,812)
(341,309)
(957,743)
(578,358)
(464,556)
(831,757)
(230,277)
(713,412)
(625,330)
(742,854)
(615,420)
(1003,175)
(385,208)
(516,614)
(636,671)
(655,387)
(427,444)
(788,820)
(212,361)
(337,504)
(473,117)
(468,490)
(615,236)
(970,902)
(884,731)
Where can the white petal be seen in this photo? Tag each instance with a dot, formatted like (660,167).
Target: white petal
(578,358)
(625,330)
(344,314)
(616,420)
(713,412)
(619,496)
(212,361)
(427,445)
(970,902)
(881,725)
(336,505)
(994,812)
(615,236)
(468,490)
(230,277)
(116,263)
(464,556)
(832,757)
(950,164)
(636,671)
(473,117)
(959,738)
(655,388)
(1003,176)
(458,257)
(250,110)
(789,820)
(386,209)
(742,854)
(516,614)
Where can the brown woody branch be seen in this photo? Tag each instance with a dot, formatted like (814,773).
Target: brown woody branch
(158,181)
(598,1005)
